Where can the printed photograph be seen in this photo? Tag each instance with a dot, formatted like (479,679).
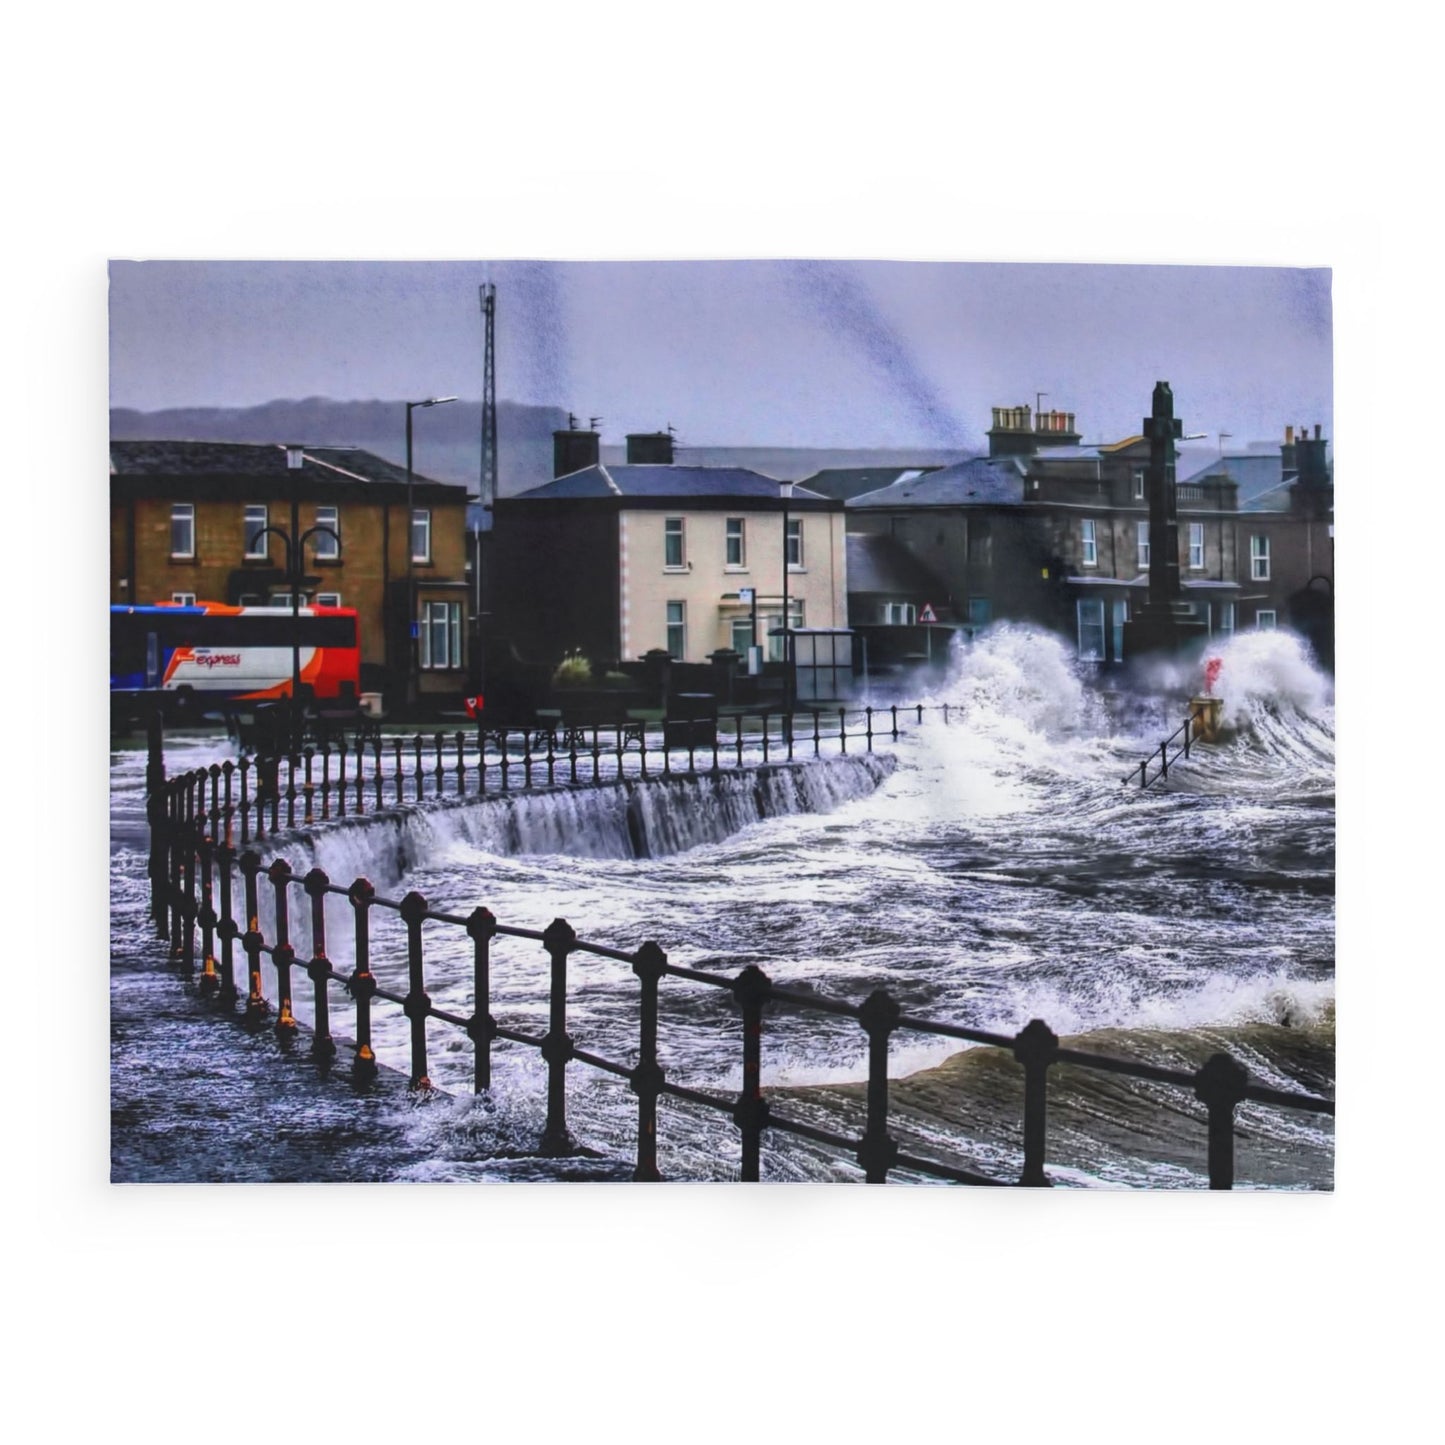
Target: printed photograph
(792,721)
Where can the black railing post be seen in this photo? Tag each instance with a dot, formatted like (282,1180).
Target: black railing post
(842,731)
(752,988)
(418,773)
(325,780)
(439,768)
(596,753)
(188,909)
(506,760)
(1035,1047)
(1220,1085)
(210,981)
(245,771)
(342,753)
(290,792)
(868,716)
(399,779)
(482,1027)
(376,771)
(877,1151)
(817,732)
(738,736)
(256,1006)
(282,954)
(920,714)
(557,1047)
(894,710)
(461,766)
(362,985)
(227,929)
(551,756)
(647,1078)
(228,833)
(307,786)
(318,968)
(418,1004)
(527,735)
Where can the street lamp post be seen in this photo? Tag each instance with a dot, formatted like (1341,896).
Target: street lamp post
(785,490)
(295,541)
(411,619)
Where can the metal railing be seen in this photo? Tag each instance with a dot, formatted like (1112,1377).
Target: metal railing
(261,796)
(1180,740)
(194,863)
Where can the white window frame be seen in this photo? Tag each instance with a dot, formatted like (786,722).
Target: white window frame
(254,520)
(1139,476)
(1089,542)
(1141,544)
(680,623)
(1226,618)
(250,599)
(746,626)
(1091,604)
(328,548)
(793,545)
(328,599)
(900,614)
(1266,612)
(448,617)
(1196,546)
(1259,557)
(740,536)
(283,599)
(420,519)
(674,527)
(183,599)
(183,514)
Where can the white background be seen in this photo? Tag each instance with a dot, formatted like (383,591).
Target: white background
(1230,133)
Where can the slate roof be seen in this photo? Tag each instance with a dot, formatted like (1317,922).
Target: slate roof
(1255,473)
(977,482)
(841,483)
(661,481)
(254,459)
(879,563)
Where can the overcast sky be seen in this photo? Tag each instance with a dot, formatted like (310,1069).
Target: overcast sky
(828,353)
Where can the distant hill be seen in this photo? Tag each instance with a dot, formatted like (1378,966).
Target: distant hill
(446,440)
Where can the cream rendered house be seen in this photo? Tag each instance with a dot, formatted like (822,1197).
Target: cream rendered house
(617,561)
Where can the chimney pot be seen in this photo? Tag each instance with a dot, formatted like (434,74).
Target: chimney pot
(1289,436)
(1317,431)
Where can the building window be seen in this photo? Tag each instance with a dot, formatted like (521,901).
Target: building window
(1138,484)
(1121,616)
(795,542)
(672,549)
(1196,545)
(251,529)
(1264,619)
(980,611)
(283,599)
(1091,629)
(328,548)
(899,614)
(737,555)
(677,630)
(328,599)
(184,599)
(421,535)
(742,634)
(1226,617)
(1143,544)
(250,599)
(441,635)
(183,529)
(1259,559)
(1091,544)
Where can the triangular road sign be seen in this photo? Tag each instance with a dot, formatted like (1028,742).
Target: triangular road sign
(928,614)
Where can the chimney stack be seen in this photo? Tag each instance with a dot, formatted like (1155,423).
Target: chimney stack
(573,450)
(652,448)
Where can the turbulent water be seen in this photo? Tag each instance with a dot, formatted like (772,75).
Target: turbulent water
(1002,871)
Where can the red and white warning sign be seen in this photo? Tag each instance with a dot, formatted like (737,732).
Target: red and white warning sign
(928,614)
(473,705)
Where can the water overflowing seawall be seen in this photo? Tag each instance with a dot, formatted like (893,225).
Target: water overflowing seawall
(630,818)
